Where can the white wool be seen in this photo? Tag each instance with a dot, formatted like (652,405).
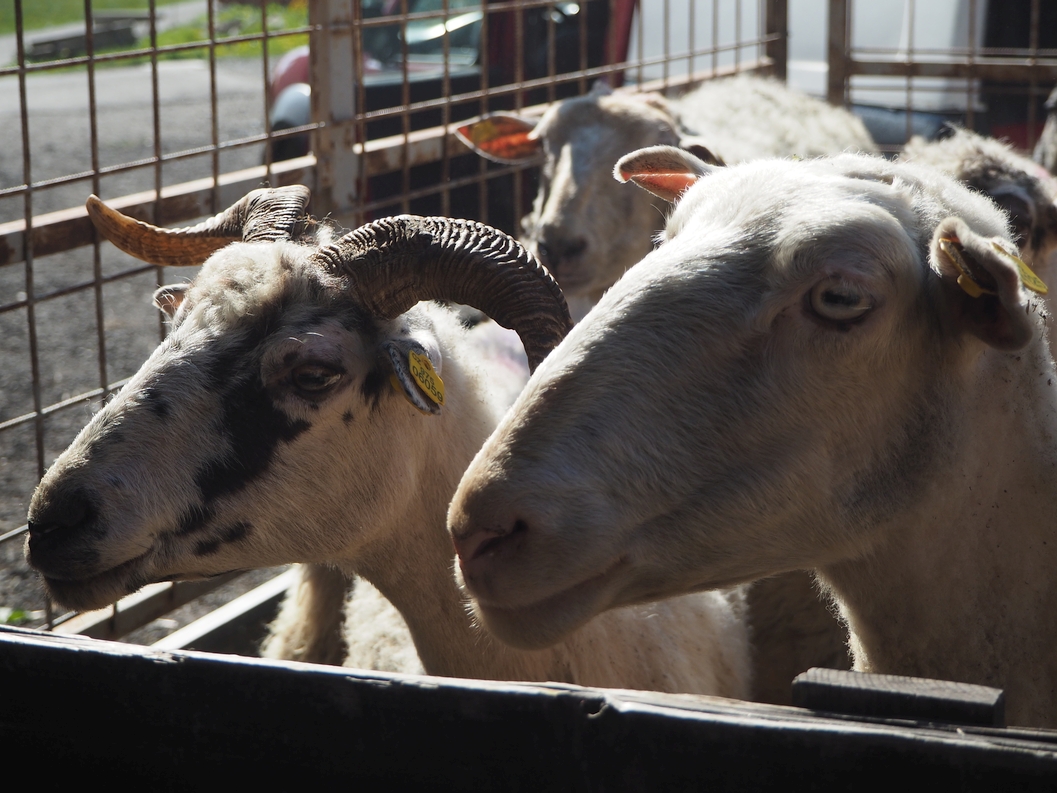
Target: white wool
(800,377)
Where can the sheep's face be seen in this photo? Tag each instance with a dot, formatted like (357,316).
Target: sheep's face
(584,227)
(761,394)
(241,442)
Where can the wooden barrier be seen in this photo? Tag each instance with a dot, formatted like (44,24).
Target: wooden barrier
(173,719)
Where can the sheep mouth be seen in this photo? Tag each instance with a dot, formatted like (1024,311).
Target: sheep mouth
(196,576)
(547,621)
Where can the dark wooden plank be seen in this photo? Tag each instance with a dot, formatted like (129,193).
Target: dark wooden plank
(170,720)
(898,697)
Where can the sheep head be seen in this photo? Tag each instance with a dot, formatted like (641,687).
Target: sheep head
(763,393)
(278,404)
(584,228)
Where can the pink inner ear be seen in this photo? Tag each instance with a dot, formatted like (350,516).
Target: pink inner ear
(666,185)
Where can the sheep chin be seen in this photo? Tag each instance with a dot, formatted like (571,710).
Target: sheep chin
(102,589)
(548,621)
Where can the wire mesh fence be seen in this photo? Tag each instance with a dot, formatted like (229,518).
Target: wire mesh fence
(912,66)
(173,110)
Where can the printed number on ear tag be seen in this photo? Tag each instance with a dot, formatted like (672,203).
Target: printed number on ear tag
(426,377)
(1027,277)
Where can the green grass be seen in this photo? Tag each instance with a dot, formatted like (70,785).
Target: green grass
(230,20)
(46,13)
(241,20)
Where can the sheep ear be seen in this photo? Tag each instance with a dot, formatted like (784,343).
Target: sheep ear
(600,88)
(984,285)
(502,138)
(168,298)
(416,361)
(665,171)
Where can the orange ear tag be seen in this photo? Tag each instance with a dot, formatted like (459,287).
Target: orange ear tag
(1027,277)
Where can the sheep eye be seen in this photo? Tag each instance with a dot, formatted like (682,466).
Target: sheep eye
(314,377)
(839,301)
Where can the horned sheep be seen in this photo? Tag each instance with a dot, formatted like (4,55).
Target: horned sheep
(833,364)
(307,407)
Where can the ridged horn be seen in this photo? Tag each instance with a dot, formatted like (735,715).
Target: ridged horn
(395,262)
(263,215)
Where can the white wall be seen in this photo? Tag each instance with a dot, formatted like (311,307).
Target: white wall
(679,34)
(886,24)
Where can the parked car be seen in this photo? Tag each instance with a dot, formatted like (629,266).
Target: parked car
(383,61)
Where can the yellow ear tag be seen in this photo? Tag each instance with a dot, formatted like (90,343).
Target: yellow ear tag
(965,281)
(484,130)
(426,377)
(1027,277)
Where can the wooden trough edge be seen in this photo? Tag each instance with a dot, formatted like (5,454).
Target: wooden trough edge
(176,718)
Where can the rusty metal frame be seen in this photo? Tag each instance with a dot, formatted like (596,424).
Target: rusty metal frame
(1032,65)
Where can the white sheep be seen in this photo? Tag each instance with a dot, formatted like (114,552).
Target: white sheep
(306,407)
(833,364)
(588,230)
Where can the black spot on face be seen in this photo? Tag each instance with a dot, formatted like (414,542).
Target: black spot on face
(251,425)
(374,385)
(194,520)
(254,428)
(229,534)
(347,417)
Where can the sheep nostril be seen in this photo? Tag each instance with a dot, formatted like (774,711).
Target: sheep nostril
(61,513)
(483,542)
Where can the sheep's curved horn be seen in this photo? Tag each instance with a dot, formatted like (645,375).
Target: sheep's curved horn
(395,262)
(263,215)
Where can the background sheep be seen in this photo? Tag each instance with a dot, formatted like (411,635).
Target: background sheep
(288,417)
(1017,184)
(854,410)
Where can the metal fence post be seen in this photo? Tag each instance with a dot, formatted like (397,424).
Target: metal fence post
(778,25)
(334,76)
(837,57)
